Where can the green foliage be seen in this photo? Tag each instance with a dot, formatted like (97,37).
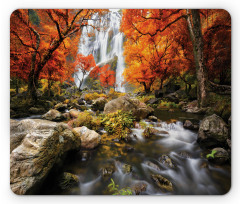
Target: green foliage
(112,94)
(114,189)
(55,88)
(212,154)
(143,124)
(118,123)
(86,119)
(93,96)
(145,98)
(167,104)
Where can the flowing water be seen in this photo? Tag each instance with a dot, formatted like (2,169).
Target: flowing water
(106,42)
(191,173)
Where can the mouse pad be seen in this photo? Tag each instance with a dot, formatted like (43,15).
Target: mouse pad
(120,101)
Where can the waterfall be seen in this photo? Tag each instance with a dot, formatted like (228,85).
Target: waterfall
(106,43)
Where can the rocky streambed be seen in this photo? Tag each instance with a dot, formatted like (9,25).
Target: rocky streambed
(162,158)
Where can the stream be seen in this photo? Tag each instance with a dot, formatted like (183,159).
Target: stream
(191,173)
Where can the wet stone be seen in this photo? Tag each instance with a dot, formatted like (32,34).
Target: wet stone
(162,182)
(152,165)
(108,170)
(139,188)
(126,168)
(167,161)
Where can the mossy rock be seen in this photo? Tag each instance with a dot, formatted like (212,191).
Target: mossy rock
(162,182)
(67,180)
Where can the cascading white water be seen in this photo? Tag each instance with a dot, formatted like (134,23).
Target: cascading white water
(106,43)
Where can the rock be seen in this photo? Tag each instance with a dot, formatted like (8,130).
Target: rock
(220,156)
(43,145)
(139,188)
(74,113)
(125,103)
(80,101)
(34,110)
(53,115)
(66,116)
(173,97)
(189,125)
(152,165)
(182,104)
(18,130)
(89,138)
(166,161)
(60,107)
(184,155)
(153,118)
(99,104)
(126,168)
(229,143)
(192,107)
(67,180)
(108,170)
(149,132)
(153,101)
(162,182)
(213,132)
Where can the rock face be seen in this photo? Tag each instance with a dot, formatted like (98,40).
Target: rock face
(43,145)
(139,110)
(89,138)
(213,132)
(53,115)
(99,104)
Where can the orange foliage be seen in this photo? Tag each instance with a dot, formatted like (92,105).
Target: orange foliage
(159,46)
(44,41)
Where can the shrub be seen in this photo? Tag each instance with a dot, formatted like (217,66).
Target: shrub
(118,123)
(93,96)
(114,189)
(112,94)
(145,98)
(86,119)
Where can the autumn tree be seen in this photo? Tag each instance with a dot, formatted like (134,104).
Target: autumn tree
(153,22)
(83,66)
(106,76)
(38,33)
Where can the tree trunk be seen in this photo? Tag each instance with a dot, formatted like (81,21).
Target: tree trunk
(194,26)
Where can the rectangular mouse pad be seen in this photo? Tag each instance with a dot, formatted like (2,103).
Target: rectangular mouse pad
(120,101)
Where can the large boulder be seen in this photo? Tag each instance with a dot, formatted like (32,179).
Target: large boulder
(53,115)
(89,138)
(125,103)
(213,132)
(99,104)
(43,144)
